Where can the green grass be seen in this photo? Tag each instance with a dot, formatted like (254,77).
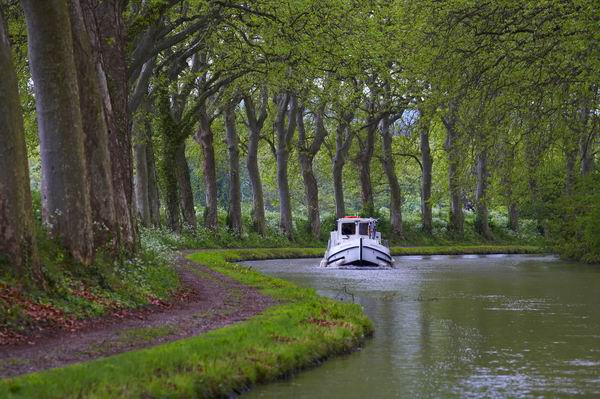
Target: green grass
(467,250)
(304,329)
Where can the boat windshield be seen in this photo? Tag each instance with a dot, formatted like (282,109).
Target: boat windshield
(348,229)
(363,229)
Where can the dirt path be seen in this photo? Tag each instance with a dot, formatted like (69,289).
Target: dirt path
(213,301)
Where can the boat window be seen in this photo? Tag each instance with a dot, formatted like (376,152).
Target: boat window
(363,229)
(348,229)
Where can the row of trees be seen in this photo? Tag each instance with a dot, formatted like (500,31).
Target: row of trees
(502,96)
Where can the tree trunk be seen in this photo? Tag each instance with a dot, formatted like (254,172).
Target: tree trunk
(532,159)
(153,191)
(570,163)
(142,175)
(363,162)
(65,195)
(17,229)
(512,213)
(168,131)
(586,152)
(513,216)
(456,222)
(235,192)
(142,196)
(204,137)
(169,169)
(97,155)
(508,161)
(306,156)
(482,225)
(286,105)
(343,141)
(254,128)
(427,161)
(389,168)
(104,22)
(186,194)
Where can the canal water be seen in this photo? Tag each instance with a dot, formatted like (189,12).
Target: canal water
(458,326)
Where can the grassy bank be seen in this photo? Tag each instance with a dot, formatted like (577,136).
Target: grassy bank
(288,253)
(304,329)
(468,250)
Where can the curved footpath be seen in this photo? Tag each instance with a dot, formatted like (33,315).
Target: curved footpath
(292,328)
(210,300)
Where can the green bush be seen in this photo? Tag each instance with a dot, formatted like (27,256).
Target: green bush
(577,222)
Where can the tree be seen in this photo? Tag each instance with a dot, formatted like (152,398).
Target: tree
(233,151)
(389,166)
(18,245)
(343,141)
(97,154)
(255,122)
(426,173)
(452,147)
(107,31)
(65,194)
(286,109)
(306,154)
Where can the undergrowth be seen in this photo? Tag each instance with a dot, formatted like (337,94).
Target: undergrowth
(73,292)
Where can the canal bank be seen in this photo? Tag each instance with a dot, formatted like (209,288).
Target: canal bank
(299,332)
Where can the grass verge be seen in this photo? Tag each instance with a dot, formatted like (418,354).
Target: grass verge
(298,333)
(468,250)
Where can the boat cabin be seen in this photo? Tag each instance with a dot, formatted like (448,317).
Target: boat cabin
(354,227)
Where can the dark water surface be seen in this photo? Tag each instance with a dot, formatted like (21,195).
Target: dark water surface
(458,326)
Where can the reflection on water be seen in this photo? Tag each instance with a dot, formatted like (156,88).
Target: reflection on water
(458,326)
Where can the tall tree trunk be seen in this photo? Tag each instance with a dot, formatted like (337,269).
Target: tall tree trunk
(508,151)
(186,193)
(587,120)
(570,164)
(96,136)
(169,171)
(17,229)
(343,141)
(513,216)
(204,137)
(140,152)
(456,222)
(427,162)
(255,124)
(153,191)
(235,192)
(306,154)
(286,105)
(140,156)
(532,159)
(168,130)
(363,162)
(389,168)
(104,22)
(482,225)
(586,152)
(65,194)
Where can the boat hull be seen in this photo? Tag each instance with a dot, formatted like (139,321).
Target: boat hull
(358,253)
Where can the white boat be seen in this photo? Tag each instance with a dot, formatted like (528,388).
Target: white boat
(356,242)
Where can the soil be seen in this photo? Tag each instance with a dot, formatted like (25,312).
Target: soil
(209,300)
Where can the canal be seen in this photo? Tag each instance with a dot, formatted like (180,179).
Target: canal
(457,326)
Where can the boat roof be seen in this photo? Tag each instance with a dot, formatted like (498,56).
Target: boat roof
(349,219)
